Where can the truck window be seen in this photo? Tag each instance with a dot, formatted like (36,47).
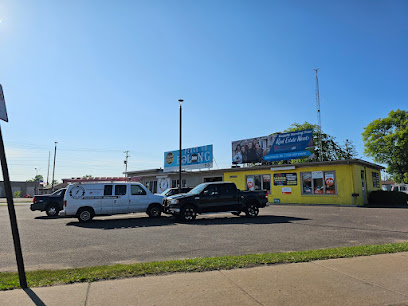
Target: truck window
(227,189)
(108,190)
(212,190)
(137,190)
(120,189)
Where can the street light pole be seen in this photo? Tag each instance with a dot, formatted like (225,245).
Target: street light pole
(53,170)
(181,101)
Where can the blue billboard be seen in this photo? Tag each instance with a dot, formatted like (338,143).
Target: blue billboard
(192,158)
(275,147)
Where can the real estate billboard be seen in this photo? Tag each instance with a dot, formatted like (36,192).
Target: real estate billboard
(192,158)
(282,146)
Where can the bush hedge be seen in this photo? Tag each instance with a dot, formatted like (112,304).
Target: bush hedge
(382,198)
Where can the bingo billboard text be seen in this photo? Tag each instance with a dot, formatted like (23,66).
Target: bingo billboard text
(192,158)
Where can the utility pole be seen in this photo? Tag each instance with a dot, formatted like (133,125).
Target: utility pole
(53,170)
(179,186)
(319,122)
(48,171)
(126,161)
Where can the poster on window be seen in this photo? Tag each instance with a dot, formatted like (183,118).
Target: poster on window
(250,183)
(318,184)
(286,190)
(284,179)
(329,181)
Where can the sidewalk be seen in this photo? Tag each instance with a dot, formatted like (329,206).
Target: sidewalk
(373,280)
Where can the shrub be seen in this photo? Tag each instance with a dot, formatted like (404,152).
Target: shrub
(17,194)
(382,198)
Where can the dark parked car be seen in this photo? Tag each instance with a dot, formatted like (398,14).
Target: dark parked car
(50,203)
(172,191)
(215,197)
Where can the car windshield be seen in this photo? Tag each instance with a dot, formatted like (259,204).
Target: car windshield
(197,189)
(166,191)
(58,192)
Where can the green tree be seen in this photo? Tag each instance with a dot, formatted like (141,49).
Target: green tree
(37,178)
(386,141)
(350,149)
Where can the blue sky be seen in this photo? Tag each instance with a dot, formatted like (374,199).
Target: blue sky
(102,77)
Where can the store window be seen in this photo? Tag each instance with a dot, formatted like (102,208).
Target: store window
(319,182)
(152,186)
(258,182)
(376,180)
(213,179)
(175,183)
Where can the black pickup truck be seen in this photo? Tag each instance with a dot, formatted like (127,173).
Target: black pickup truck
(215,197)
(50,203)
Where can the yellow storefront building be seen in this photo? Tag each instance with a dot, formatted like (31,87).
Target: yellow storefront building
(342,182)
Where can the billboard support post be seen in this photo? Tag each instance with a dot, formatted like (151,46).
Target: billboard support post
(181,101)
(12,214)
(9,195)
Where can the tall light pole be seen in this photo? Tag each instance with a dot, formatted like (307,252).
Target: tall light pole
(181,101)
(53,169)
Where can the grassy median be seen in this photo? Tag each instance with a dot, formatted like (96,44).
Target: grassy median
(43,278)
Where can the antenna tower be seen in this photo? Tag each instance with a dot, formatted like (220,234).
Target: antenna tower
(319,122)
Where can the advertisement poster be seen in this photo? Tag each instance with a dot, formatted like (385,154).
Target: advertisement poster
(250,183)
(192,158)
(329,181)
(275,147)
(284,179)
(286,190)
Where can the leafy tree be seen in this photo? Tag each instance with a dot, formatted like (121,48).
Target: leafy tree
(386,141)
(37,178)
(349,149)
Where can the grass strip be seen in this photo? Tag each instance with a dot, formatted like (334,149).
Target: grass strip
(41,278)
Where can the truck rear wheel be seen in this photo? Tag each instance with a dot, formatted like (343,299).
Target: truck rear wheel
(251,210)
(52,210)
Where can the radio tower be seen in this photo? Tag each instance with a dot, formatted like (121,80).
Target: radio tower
(319,122)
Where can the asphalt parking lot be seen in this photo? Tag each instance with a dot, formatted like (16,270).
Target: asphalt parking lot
(63,242)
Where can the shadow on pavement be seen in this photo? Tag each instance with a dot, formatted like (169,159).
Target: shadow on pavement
(34,297)
(203,220)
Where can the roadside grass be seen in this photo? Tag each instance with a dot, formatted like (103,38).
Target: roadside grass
(41,278)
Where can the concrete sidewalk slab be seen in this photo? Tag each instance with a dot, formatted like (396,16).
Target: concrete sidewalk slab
(373,280)
(65,295)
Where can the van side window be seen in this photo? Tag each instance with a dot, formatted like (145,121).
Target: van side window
(107,190)
(137,190)
(120,189)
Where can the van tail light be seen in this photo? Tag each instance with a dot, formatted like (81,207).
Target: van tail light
(266,195)
(34,200)
(65,203)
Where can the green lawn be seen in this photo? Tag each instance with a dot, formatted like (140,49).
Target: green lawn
(67,276)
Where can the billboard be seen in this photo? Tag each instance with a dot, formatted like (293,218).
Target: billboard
(192,158)
(282,146)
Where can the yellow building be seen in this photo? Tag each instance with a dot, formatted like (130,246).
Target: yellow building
(343,182)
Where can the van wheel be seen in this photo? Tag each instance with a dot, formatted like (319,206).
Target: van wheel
(154,211)
(251,210)
(85,214)
(188,213)
(52,210)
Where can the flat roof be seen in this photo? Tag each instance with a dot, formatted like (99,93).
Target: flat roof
(259,167)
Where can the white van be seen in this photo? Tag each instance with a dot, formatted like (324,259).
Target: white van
(85,201)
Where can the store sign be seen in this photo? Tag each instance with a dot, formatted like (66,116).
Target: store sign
(286,190)
(284,179)
(192,158)
(282,146)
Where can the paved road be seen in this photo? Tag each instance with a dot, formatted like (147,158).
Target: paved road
(63,242)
